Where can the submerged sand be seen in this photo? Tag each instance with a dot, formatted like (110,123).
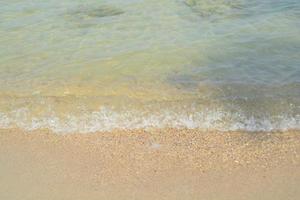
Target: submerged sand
(153,164)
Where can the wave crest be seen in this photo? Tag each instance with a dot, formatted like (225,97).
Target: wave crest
(107,119)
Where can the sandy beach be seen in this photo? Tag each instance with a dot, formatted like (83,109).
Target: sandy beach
(154,164)
(150,100)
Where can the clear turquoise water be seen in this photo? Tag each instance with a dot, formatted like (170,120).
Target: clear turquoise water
(86,66)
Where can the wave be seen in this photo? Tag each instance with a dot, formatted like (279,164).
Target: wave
(107,119)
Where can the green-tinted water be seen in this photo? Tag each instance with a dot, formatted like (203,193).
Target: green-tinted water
(98,65)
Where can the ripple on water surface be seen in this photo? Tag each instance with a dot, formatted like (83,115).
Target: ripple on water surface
(73,66)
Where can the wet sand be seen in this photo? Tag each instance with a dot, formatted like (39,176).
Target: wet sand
(154,164)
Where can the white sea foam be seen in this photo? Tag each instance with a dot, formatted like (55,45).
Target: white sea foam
(107,119)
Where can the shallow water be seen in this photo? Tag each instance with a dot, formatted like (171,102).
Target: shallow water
(77,66)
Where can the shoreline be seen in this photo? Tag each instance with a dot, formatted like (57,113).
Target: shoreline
(153,164)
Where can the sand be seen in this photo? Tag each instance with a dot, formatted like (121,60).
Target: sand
(154,164)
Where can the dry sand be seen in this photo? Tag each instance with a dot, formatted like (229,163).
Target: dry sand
(155,164)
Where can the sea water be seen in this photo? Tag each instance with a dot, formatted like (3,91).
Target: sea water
(86,66)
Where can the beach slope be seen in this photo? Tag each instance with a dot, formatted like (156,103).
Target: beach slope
(155,164)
